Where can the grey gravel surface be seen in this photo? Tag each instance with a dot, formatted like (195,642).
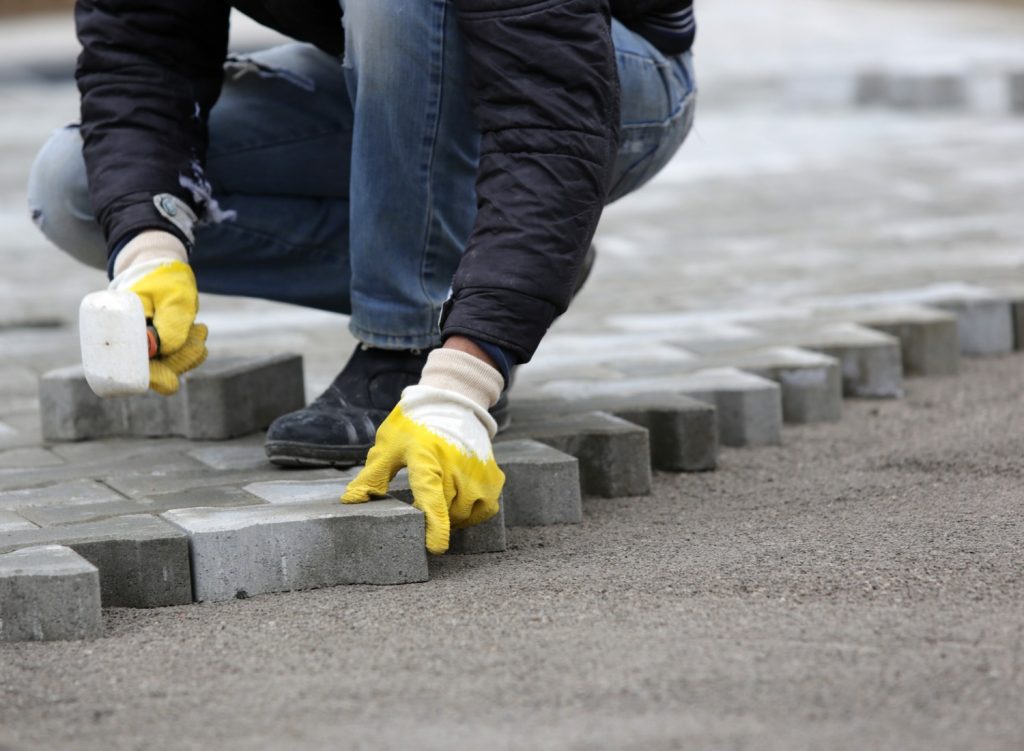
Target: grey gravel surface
(859,587)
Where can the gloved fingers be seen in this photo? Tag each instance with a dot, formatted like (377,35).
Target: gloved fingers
(425,479)
(382,464)
(192,354)
(174,301)
(478,495)
(162,379)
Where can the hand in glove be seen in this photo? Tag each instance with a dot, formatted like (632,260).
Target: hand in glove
(154,265)
(442,432)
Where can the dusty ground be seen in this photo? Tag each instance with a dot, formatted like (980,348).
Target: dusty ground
(860,587)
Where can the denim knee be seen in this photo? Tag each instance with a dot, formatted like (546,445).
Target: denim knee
(58,198)
(379,33)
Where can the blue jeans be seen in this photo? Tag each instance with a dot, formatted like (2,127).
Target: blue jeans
(353,183)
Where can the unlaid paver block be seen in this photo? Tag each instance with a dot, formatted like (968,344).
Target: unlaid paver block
(488,537)
(614,455)
(542,484)
(986,325)
(1018,324)
(1016,86)
(237,396)
(224,398)
(262,549)
(300,491)
(683,430)
(143,561)
(929,338)
(748,407)
(49,592)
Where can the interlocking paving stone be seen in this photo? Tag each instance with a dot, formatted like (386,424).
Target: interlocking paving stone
(48,593)
(224,398)
(929,338)
(11,522)
(300,491)
(614,455)
(262,549)
(76,492)
(30,457)
(143,560)
(232,457)
(488,537)
(1016,86)
(542,484)
(914,90)
(986,325)
(237,396)
(749,407)
(683,431)
(144,485)
(166,464)
(870,361)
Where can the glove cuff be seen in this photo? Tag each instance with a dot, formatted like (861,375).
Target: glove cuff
(464,374)
(152,245)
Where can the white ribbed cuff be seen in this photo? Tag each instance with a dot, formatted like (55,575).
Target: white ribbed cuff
(152,245)
(461,372)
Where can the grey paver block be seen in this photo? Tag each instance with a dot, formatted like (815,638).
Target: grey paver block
(74,493)
(614,455)
(542,484)
(224,398)
(300,491)
(159,481)
(232,457)
(1016,86)
(929,338)
(238,396)
(915,90)
(11,522)
(262,549)
(749,407)
(143,561)
(986,325)
(1018,325)
(47,593)
(31,457)
(488,537)
(683,431)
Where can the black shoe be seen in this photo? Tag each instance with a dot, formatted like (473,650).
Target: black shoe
(338,428)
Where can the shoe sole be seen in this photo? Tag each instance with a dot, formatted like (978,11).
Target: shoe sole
(307,455)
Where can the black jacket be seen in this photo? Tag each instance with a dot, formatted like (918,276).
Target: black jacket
(545,94)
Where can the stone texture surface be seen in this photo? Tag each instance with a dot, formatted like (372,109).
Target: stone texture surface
(11,522)
(929,338)
(683,431)
(251,551)
(224,398)
(142,560)
(48,593)
(986,325)
(542,485)
(614,455)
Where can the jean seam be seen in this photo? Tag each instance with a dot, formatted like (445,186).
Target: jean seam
(273,143)
(437,66)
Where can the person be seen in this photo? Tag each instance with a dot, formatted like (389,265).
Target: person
(435,169)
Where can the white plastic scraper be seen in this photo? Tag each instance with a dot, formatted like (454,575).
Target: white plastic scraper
(116,345)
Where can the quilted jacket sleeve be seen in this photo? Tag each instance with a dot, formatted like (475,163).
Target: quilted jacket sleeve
(546,99)
(149,72)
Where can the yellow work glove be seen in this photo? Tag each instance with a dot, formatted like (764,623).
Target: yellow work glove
(154,265)
(442,432)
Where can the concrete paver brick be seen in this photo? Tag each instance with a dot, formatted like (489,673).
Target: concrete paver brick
(1016,85)
(749,407)
(929,338)
(683,431)
(614,455)
(232,457)
(143,561)
(48,593)
(986,325)
(31,457)
(913,90)
(159,481)
(224,398)
(262,549)
(542,484)
(300,491)
(488,537)
(237,396)
(74,493)
(12,522)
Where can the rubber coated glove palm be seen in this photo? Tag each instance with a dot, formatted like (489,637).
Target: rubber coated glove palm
(154,265)
(442,432)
